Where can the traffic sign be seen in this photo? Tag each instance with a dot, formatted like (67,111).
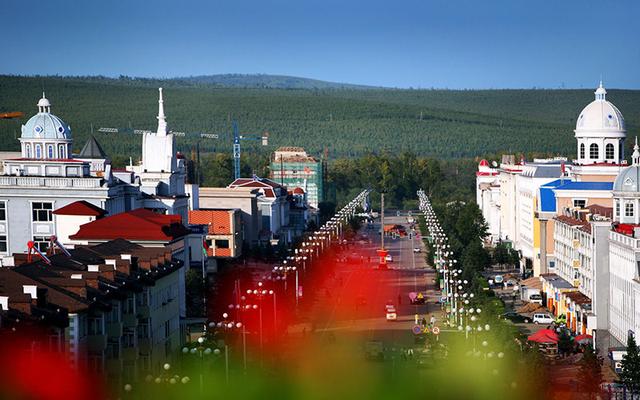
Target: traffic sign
(420,296)
(426,329)
(436,330)
(417,329)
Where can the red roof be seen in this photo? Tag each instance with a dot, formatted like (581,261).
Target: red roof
(139,224)
(81,207)
(298,190)
(483,163)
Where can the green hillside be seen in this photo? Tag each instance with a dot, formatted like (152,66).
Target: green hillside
(349,122)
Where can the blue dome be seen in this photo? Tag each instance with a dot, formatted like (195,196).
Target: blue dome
(45,125)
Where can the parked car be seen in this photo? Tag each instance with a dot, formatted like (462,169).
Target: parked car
(388,258)
(535,298)
(542,318)
(515,317)
(498,279)
(417,250)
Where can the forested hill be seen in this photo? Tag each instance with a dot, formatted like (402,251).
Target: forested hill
(348,122)
(265,81)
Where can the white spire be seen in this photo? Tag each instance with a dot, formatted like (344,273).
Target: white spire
(43,105)
(600,92)
(635,157)
(162,122)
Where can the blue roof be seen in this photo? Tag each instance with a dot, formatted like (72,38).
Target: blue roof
(548,195)
(586,186)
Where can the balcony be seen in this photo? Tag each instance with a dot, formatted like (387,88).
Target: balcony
(624,239)
(130,354)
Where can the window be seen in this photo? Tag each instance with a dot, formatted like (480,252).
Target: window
(617,208)
(50,151)
(28,149)
(3,210)
(41,243)
(579,203)
(128,338)
(628,210)
(61,151)
(609,152)
(129,305)
(581,150)
(593,151)
(42,212)
(3,243)
(38,151)
(222,244)
(167,329)
(95,326)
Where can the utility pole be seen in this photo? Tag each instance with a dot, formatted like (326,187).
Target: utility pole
(382,219)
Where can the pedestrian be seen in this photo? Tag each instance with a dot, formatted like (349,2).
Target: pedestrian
(416,319)
(432,322)
(424,322)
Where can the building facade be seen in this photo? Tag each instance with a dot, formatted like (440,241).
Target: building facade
(293,167)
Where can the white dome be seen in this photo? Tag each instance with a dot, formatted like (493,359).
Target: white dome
(45,125)
(627,180)
(600,118)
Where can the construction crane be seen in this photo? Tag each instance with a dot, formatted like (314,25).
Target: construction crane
(11,115)
(237,137)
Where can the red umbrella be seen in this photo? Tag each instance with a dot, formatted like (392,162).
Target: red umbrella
(544,336)
(583,338)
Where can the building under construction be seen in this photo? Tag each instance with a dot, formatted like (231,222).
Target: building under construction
(293,167)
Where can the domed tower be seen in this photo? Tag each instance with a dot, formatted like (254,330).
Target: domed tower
(626,191)
(45,136)
(600,132)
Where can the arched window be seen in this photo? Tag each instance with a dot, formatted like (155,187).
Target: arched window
(28,150)
(581,150)
(617,208)
(593,151)
(609,152)
(61,151)
(38,151)
(50,151)
(628,209)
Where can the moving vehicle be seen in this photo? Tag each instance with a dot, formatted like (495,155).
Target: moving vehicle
(515,317)
(417,250)
(542,318)
(391,313)
(535,298)
(388,258)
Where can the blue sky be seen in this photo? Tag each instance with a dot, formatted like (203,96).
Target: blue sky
(397,43)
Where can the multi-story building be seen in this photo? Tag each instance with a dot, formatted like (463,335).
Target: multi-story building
(161,174)
(113,307)
(224,236)
(293,167)
(507,174)
(48,177)
(624,257)
(488,198)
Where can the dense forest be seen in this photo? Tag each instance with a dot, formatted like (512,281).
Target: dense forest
(440,124)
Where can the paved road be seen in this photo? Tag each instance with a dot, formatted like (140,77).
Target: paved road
(352,307)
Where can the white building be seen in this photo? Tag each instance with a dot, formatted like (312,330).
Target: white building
(161,174)
(600,133)
(488,198)
(624,242)
(508,172)
(47,177)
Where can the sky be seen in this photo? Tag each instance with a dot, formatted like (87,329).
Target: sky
(455,44)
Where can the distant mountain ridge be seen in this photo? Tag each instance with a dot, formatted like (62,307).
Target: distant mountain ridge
(267,81)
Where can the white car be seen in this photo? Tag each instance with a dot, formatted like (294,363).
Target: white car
(417,250)
(535,298)
(391,313)
(388,258)
(541,318)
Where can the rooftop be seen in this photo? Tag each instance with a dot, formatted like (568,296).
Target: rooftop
(81,207)
(140,224)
